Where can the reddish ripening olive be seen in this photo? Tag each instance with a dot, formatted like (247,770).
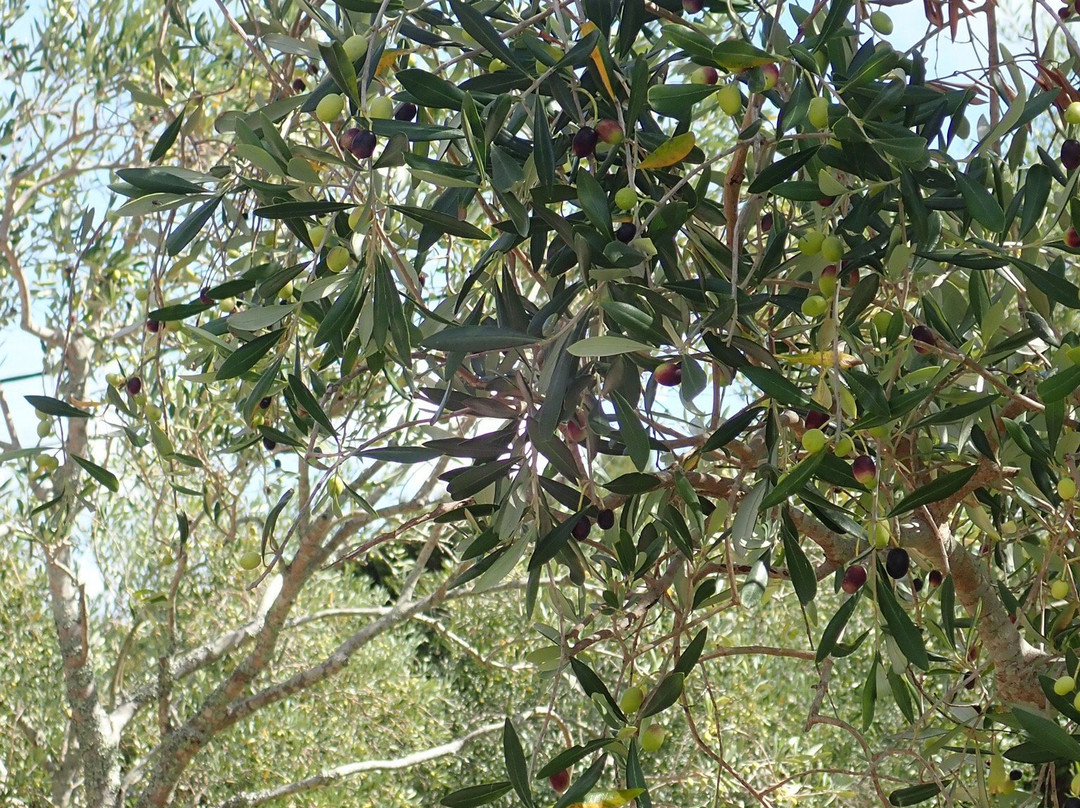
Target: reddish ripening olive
(204,296)
(1070,154)
(854,578)
(771,74)
(766,223)
(1063,13)
(826,201)
(269,445)
(560,781)
(605,520)
(298,85)
(406,112)
(134,385)
(815,419)
(609,131)
(864,470)
(668,374)
(1072,238)
(827,281)
(153,326)
(584,142)
(581,529)
(364,144)
(923,336)
(626,232)
(897,562)
(936,577)
(693,6)
(705,75)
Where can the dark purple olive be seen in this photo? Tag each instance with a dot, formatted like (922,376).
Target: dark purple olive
(936,577)
(134,386)
(605,520)
(406,112)
(626,232)
(815,419)
(266,402)
(584,142)
(581,529)
(1016,774)
(922,334)
(364,144)
(347,139)
(693,6)
(1070,154)
(897,562)
(298,85)
(269,445)
(153,326)
(917,584)
(766,223)
(204,296)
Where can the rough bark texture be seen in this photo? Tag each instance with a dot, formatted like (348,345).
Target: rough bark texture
(97,740)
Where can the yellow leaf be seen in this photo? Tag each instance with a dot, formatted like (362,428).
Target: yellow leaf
(821,359)
(388,57)
(669,153)
(610,799)
(598,60)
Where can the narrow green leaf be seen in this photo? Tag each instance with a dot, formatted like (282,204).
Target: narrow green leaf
(632,432)
(430,90)
(1048,734)
(1059,386)
(54,406)
(167,137)
(982,205)
(190,227)
(475,795)
(665,694)
(793,480)
(781,170)
(776,386)
(543,149)
(553,542)
(632,483)
(692,653)
(297,210)
(732,428)
(306,399)
(159,181)
(102,475)
(803,576)
(593,201)
(568,757)
(516,768)
(835,627)
(607,345)
(477,339)
(272,517)
(478,27)
(905,633)
(944,486)
(913,795)
(441,222)
(245,357)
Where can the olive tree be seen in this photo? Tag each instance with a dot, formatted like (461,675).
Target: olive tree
(657,320)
